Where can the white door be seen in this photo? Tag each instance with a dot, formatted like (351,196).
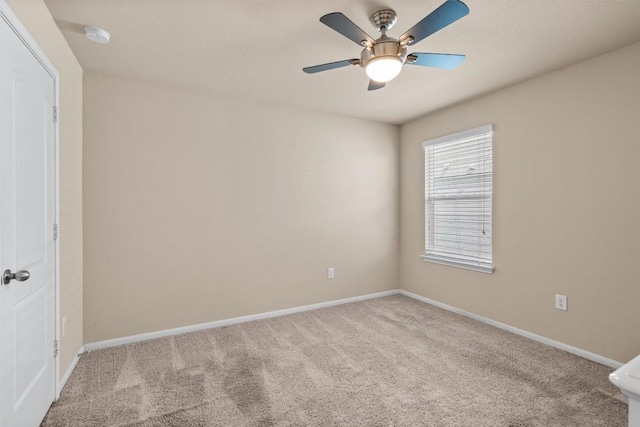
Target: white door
(27,203)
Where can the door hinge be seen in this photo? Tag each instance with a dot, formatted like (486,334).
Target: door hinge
(55,348)
(55,114)
(55,231)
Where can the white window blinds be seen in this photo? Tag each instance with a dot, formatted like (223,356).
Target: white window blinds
(458,190)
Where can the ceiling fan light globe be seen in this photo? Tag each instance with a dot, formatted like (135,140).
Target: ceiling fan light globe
(383,69)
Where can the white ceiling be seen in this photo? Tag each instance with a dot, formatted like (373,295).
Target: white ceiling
(255,50)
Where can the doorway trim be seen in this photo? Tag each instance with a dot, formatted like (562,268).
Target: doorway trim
(7,15)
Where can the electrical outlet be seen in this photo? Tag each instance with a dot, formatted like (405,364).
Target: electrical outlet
(561,302)
(64,325)
(330,273)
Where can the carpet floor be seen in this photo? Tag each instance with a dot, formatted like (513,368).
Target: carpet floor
(391,361)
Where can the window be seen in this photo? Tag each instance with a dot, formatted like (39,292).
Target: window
(458,190)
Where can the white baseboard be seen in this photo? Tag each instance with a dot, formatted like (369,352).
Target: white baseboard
(242,319)
(225,322)
(65,378)
(569,349)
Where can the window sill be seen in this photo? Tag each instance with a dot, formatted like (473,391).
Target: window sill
(487,270)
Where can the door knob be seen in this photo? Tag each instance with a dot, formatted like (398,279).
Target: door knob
(20,276)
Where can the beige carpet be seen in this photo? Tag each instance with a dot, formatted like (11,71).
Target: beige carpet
(391,361)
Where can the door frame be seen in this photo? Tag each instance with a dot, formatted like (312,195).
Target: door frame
(7,15)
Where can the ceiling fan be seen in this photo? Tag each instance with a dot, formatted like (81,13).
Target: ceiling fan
(384,57)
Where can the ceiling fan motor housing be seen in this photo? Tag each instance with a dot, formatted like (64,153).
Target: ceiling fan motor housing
(383,47)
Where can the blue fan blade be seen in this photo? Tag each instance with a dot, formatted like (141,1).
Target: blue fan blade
(330,66)
(448,13)
(374,85)
(438,60)
(344,26)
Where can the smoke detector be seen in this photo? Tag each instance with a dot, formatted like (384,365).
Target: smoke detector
(97,34)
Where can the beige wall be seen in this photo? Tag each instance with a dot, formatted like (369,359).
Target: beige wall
(198,209)
(35,16)
(566,206)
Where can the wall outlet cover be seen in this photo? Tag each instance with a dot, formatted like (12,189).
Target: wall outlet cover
(561,302)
